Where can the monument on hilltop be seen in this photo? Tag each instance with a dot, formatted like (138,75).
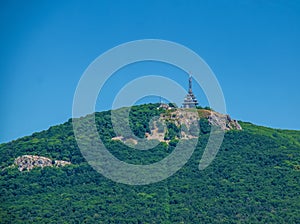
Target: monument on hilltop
(190,100)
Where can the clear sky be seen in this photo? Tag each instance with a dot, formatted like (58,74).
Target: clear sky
(253,47)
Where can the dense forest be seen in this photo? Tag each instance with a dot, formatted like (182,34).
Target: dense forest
(255,178)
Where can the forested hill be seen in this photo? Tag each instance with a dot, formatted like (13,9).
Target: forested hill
(255,178)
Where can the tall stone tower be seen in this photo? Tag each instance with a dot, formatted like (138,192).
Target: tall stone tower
(190,100)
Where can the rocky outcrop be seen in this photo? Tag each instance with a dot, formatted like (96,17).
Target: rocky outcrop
(187,118)
(223,121)
(28,162)
(60,163)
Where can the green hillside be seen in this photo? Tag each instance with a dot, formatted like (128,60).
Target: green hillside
(255,178)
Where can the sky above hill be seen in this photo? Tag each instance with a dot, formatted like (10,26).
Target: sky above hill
(253,48)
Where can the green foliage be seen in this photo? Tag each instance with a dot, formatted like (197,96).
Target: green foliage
(172,131)
(204,126)
(255,178)
(205,108)
(172,105)
(140,117)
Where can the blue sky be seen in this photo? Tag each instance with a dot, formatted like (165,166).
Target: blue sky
(253,48)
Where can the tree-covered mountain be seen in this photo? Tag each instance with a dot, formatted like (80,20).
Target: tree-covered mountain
(255,178)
